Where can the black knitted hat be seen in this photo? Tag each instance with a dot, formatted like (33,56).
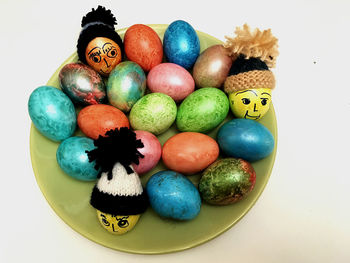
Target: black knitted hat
(97,23)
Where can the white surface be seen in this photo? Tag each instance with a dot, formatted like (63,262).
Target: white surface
(303,214)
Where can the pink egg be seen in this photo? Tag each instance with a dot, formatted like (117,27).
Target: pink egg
(152,151)
(171,79)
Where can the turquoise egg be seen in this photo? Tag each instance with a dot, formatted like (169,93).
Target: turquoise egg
(172,195)
(154,113)
(126,85)
(72,158)
(52,113)
(202,110)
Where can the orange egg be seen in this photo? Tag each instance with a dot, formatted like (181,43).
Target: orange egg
(95,120)
(143,46)
(189,152)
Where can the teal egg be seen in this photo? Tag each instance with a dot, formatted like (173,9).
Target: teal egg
(154,113)
(126,85)
(52,113)
(72,158)
(202,111)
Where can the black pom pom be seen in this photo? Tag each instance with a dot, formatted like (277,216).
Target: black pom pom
(117,146)
(101,14)
(241,64)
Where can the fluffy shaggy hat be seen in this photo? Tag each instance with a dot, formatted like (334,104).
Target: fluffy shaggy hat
(253,53)
(97,23)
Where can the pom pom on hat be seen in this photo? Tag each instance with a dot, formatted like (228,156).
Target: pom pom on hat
(253,44)
(101,14)
(116,146)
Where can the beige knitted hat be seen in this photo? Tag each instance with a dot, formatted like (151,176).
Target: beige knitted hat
(253,53)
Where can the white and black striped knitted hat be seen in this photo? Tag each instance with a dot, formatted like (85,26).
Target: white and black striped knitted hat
(118,190)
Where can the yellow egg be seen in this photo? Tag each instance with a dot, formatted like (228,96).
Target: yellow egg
(250,103)
(117,225)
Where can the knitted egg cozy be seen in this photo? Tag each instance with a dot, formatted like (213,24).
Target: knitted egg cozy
(97,23)
(118,190)
(253,53)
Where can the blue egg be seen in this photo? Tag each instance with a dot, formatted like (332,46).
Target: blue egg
(52,113)
(246,139)
(172,195)
(181,44)
(73,159)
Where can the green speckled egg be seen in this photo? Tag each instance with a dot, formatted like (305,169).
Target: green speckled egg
(227,181)
(154,113)
(202,110)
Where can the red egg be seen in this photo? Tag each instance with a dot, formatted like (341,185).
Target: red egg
(189,152)
(143,46)
(152,151)
(171,79)
(95,120)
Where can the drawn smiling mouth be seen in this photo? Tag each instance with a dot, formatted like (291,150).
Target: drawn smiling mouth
(251,117)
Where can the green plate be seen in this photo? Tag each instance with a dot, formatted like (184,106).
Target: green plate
(69,198)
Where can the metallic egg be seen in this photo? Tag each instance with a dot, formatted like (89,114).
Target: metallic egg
(212,67)
(227,181)
(126,85)
(82,84)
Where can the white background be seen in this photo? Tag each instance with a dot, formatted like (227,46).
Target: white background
(303,214)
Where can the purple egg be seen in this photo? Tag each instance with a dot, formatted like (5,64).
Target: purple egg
(152,152)
(171,79)
(212,67)
(82,84)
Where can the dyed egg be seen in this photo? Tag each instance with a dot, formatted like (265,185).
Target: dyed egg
(202,110)
(117,224)
(227,181)
(126,85)
(95,120)
(154,112)
(172,195)
(82,84)
(52,113)
(143,46)
(171,79)
(152,151)
(189,152)
(181,44)
(103,54)
(72,158)
(246,139)
(250,103)
(212,67)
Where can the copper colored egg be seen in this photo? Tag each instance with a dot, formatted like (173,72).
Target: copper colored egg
(96,120)
(212,67)
(189,152)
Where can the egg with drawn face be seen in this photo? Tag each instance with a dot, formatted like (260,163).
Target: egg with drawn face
(103,54)
(117,224)
(250,103)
